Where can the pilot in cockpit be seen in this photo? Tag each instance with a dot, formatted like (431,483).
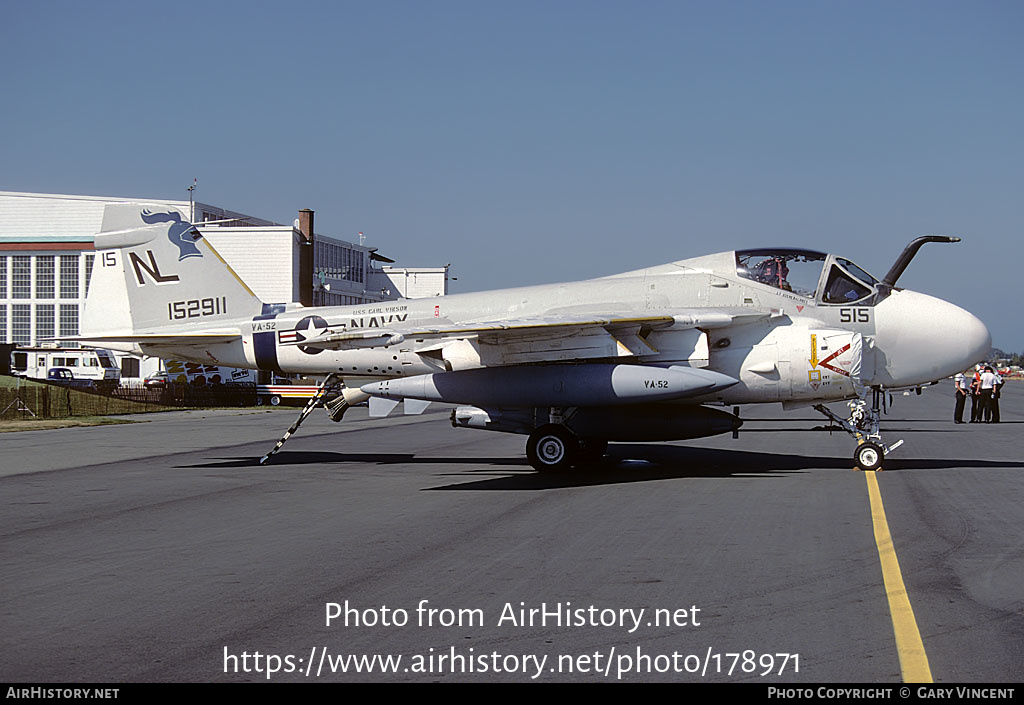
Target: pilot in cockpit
(774,272)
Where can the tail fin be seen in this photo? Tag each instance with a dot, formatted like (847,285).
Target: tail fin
(153,269)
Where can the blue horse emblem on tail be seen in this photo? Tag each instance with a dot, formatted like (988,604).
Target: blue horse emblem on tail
(179,233)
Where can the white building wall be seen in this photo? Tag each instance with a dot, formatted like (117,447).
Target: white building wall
(410,282)
(28,215)
(266,259)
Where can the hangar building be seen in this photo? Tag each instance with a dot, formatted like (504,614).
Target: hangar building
(47,254)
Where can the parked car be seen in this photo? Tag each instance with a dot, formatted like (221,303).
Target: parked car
(64,377)
(157,380)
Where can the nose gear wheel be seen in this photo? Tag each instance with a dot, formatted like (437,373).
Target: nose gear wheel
(863,424)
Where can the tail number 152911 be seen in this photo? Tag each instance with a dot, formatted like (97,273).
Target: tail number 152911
(196,308)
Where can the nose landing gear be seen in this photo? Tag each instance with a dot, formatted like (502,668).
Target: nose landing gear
(868,456)
(863,425)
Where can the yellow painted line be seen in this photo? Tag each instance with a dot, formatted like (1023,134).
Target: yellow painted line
(913,659)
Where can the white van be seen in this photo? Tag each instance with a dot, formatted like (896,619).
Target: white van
(96,364)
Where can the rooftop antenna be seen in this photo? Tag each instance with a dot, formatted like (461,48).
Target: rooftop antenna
(362,239)
(191,206)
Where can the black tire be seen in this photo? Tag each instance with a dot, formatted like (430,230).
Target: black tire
(275,400)
(552,448)
(869,456)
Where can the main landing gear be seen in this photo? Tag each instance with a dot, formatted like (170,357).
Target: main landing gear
(554,448)
(863,425)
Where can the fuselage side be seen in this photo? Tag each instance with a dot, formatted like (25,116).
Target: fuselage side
(801,347)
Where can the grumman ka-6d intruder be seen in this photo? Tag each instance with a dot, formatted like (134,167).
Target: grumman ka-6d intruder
(639,356)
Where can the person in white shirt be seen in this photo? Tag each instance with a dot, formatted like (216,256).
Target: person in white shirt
(987,385)
(997,390)
(962,391)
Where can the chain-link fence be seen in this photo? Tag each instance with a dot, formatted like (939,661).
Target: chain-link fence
(192,395)
(23,399)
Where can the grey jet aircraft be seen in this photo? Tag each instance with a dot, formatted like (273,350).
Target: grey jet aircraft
(655,354)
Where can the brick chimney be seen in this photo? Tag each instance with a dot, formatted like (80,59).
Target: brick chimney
(306,257)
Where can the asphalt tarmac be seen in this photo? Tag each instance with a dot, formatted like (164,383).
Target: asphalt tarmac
(162,552)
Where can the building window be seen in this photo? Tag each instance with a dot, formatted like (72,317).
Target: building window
(69,277)
(44,276)
(129,366)
(21,277)
(69,323)
(357,266)
(4,338)
(21,324)
(44,322)
(3,277)
(88,271)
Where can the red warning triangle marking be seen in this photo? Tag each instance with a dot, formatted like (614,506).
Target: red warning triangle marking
(799,309)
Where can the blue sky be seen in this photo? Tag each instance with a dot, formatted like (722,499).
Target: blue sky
(529,142)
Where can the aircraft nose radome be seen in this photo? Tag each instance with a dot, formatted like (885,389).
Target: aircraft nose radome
(920,339)
(976,338)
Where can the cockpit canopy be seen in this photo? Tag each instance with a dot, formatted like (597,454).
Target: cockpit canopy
(797,271)
(807,273)
(847,283)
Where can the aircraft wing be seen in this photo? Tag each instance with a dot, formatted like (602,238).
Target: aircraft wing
(517,327)
(490,331)
(161,338)
(677,319)
(624,330)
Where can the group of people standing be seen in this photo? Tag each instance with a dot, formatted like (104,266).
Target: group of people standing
(982,386)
